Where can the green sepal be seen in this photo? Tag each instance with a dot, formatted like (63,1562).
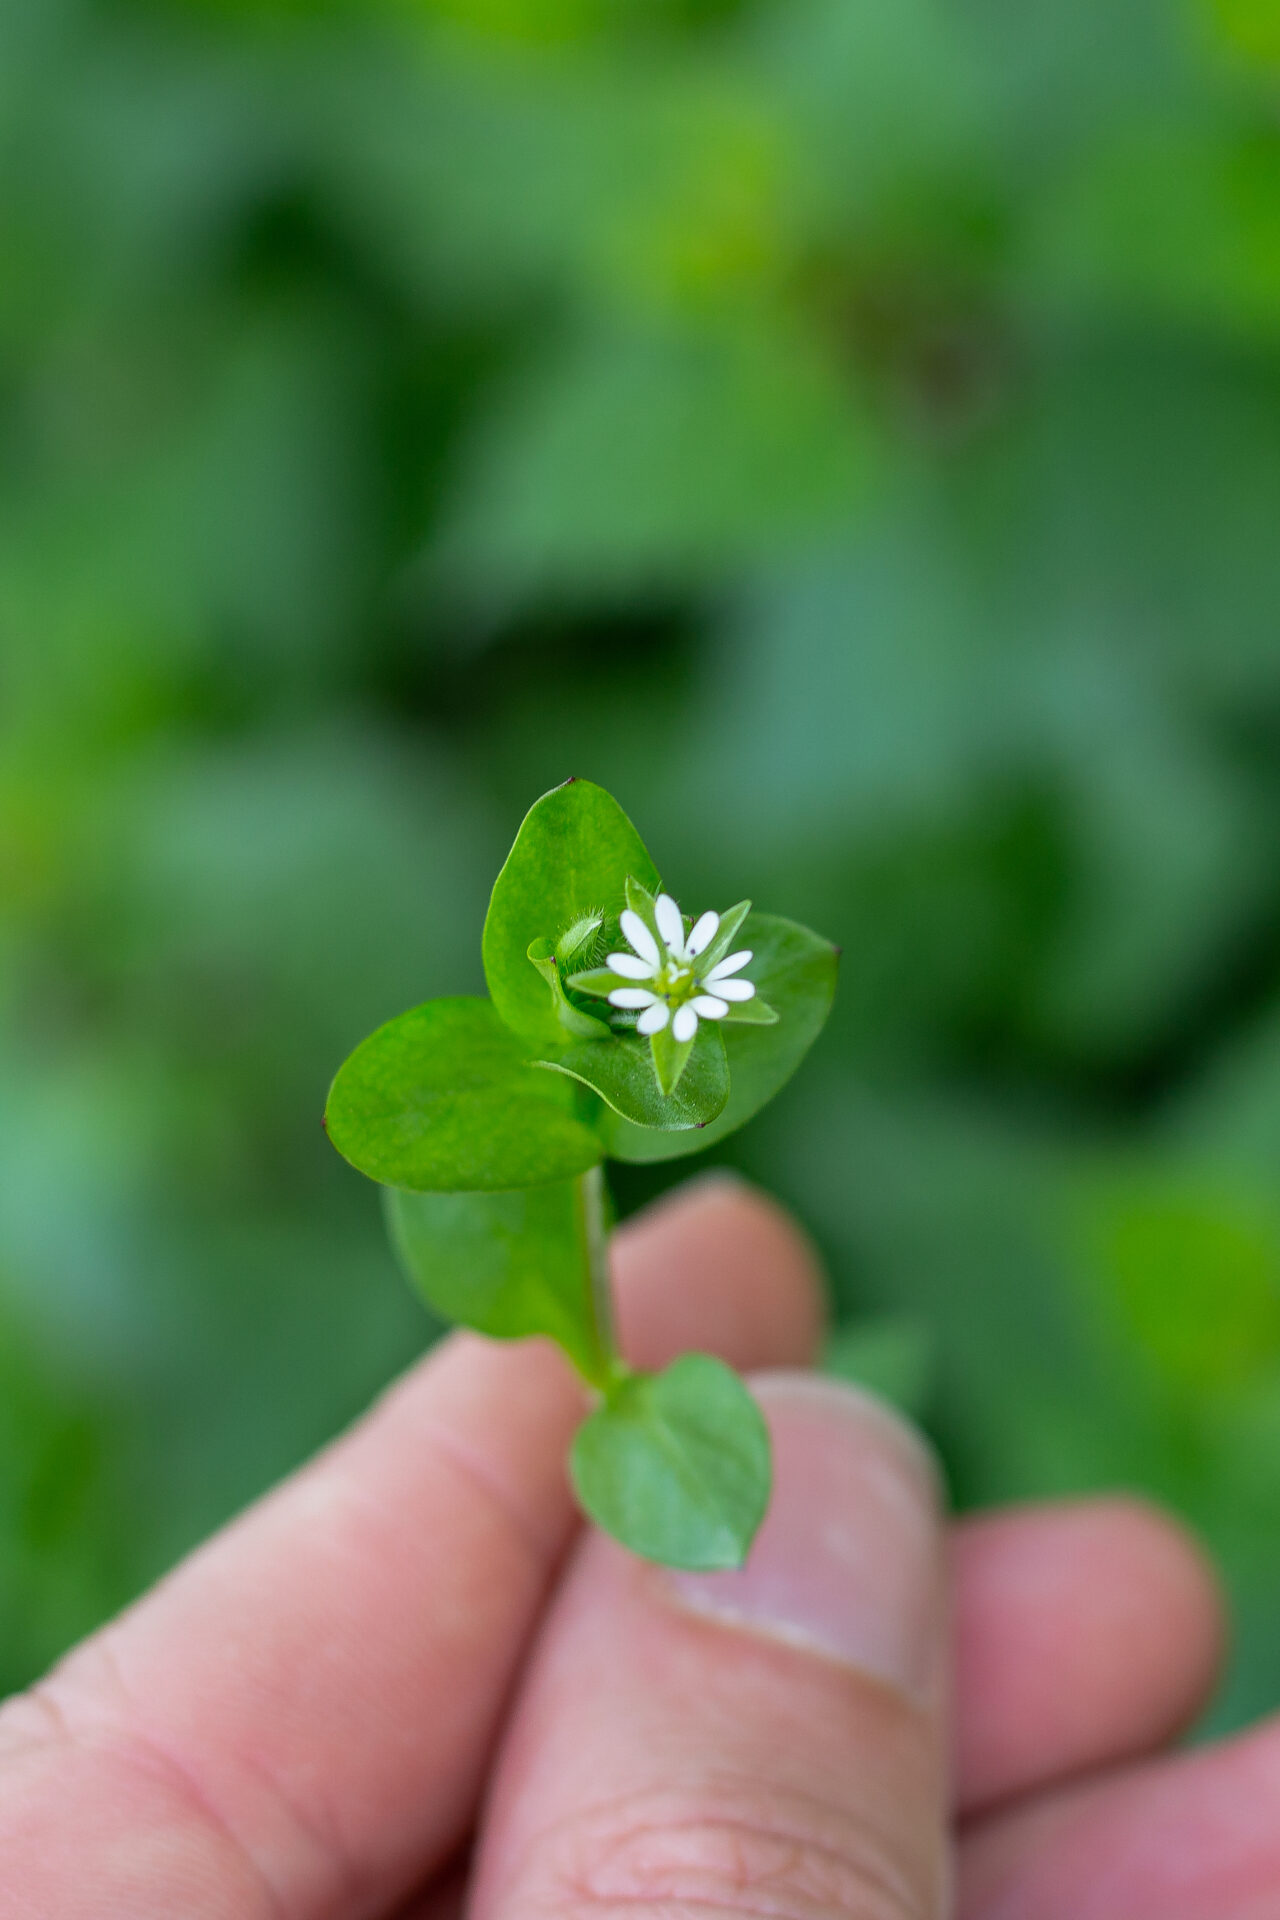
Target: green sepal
(623,1075)
(795,970)
(670,1058)
(726,933)
(569,865)
(581,1026)
(444,1099)
(506,1264)
(677,1465)
(599,981)
(641,900)
(749,1013)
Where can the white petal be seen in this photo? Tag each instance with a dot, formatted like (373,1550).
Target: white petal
(704,932)
(734,963)
(735,989)
(635,930)
(670,925)
(632,997)
(685,1024)
(654,1018)
(630,966)
(709,1007)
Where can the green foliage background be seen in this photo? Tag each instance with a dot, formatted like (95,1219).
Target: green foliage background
(847,429)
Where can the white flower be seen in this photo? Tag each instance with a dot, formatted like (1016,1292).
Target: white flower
(676,988)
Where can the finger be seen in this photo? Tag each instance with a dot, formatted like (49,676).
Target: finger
(297,1721)
(1195,1837)
(769,1742)
(1085,1634)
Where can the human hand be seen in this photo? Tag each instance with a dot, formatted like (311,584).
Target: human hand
(405,1654)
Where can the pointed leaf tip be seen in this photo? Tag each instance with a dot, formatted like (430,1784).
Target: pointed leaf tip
(569,862)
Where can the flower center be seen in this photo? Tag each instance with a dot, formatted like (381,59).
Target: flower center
(675,983)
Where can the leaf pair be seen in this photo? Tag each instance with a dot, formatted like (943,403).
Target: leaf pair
(463,1096)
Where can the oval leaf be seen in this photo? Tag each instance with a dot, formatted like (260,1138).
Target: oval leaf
(677,1465)
(506,1264)
(795,975)
(444,1100)
(570,863)
(622,1072)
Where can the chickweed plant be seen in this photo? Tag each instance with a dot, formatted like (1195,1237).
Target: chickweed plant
(617,1027)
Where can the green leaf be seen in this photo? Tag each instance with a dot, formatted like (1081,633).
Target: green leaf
(622,1073)
(506,1264)
(580,1025)
(570,863)
(677,1465)
(795,972)
(444,1100)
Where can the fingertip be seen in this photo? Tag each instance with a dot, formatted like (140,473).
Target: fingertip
(1086,1632)
(718,1265)
(1171,1556)
(1176,1587)
(1124,1566)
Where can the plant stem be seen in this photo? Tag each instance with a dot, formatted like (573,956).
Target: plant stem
(595,1233)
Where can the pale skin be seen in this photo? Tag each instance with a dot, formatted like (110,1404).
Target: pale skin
(407,1684)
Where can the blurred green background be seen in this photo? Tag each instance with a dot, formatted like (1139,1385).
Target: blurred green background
(847,429)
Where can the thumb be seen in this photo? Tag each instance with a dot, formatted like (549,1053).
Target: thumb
(769,1742)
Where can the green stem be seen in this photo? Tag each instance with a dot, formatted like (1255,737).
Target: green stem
(595,1236)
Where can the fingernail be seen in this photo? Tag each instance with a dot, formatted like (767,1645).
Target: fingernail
(848,1561)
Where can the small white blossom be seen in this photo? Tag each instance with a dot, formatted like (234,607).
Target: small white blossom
(676,988)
